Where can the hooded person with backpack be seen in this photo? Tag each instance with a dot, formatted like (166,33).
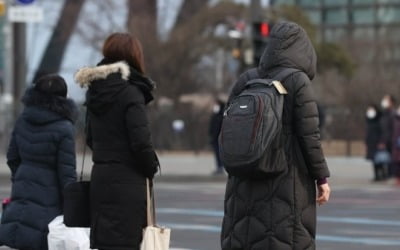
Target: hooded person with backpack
(272,204)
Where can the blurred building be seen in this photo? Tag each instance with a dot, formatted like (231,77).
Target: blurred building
(370,28)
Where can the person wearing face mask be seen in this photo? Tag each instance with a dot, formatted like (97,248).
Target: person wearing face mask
(213,131)
(396,146)
(386,122)
(372,138)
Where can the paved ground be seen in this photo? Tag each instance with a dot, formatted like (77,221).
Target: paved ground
(360,215)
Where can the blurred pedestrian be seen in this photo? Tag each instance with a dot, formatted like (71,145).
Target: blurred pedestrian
(388,112)
(372,138)
(279,212)
(396,146)
(119,136)
(41,157)
(213,132)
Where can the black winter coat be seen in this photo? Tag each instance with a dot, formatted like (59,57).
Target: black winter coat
(41,157)
(280,213)
(386,121)
(123,155)
(373,136)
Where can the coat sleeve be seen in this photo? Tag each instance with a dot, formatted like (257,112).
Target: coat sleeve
(66,165)
(140,139)
(307,130)
(13,157)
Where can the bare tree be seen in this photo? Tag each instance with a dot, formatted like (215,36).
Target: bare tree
(55,49)
(188,10)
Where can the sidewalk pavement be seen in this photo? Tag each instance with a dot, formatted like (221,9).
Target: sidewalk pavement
(189,167)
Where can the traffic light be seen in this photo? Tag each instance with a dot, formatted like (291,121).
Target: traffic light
(261,31)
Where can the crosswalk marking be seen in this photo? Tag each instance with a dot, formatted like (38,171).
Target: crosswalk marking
(326,238)
(329,219)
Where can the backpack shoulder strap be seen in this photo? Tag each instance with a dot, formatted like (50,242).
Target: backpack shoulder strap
(285,73)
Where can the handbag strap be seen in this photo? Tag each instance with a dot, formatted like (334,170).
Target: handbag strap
(151,212)
(84,144)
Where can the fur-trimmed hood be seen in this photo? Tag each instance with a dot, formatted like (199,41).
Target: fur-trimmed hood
(107,80)
(85,76)
(42,108)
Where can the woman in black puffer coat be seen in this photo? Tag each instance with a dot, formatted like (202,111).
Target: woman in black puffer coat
(280,213)
(372,139)
(41,157)
(119,136)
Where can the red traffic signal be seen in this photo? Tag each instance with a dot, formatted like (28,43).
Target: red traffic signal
(264,29)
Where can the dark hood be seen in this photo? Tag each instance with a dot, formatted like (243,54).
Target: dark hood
(289,47)
(107,80)
(145,84)
(42,108)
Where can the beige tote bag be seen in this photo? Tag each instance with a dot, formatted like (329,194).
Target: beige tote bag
(154,237)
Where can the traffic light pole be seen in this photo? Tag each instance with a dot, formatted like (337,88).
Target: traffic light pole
(19,65)
(255,10)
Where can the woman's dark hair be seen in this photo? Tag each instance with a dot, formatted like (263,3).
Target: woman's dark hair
(124,47)
(52,85)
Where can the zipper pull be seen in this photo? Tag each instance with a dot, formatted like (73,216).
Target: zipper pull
(226,110)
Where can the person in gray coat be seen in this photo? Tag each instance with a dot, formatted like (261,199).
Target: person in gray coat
(280,212)
(41,157)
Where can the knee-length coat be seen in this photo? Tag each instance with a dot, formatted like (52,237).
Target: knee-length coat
(280,213)
(123,155)
(41,157)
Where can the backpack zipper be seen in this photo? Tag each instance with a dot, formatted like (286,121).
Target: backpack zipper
(227,109)
(258,120)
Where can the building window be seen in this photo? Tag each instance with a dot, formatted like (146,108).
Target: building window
(315,16)
(336,16)
(363,16)
(363,34)
(309,3)
(388,1)
(390,34)
(290,2)
(388,15)
(333,35)
(355,2)
(335,2)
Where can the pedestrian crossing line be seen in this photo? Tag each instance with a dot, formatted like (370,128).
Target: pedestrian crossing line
(329,219)
(360,221)
(201,212)
(355,240)
(193,227)
(327,238)
(180,249)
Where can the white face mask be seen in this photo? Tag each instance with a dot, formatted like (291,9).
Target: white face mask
(385,103)
(216,109)
(371,113)
(398,112)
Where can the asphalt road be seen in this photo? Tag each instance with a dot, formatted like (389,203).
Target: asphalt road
(358,217)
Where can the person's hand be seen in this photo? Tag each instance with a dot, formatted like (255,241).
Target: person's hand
(324,192)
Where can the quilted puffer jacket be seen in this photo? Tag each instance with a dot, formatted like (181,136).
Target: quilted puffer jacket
(280,213)
(41,157)
(123,154)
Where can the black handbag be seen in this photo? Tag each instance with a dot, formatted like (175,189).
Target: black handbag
(77,204)
(77,200)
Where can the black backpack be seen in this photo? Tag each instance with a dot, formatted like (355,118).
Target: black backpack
(251,135)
